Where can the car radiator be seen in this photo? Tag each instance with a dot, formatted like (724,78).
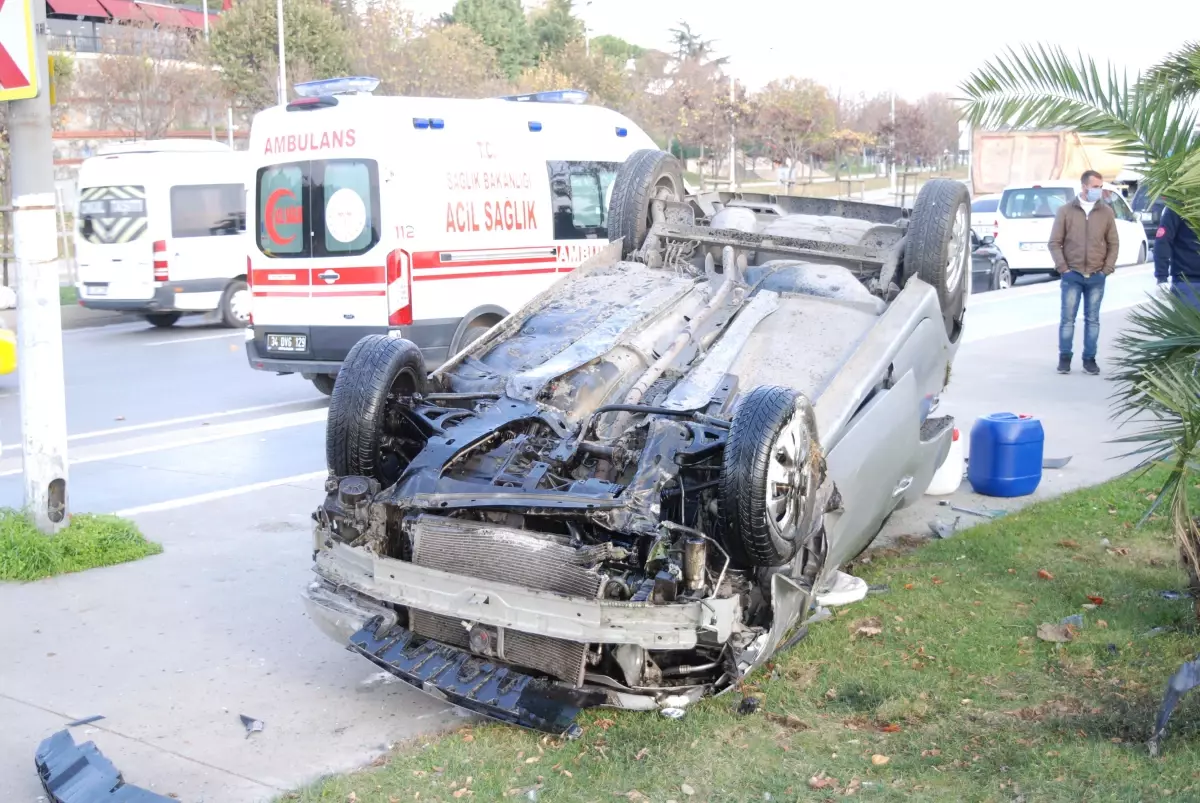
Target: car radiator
(505,555)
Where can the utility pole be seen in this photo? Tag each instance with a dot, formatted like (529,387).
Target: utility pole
(39,321)
(282,58)
(212,126)
(732,134)
(893,144)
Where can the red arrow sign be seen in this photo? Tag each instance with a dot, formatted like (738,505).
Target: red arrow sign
(11,76)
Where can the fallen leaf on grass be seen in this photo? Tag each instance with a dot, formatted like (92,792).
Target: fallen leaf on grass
(1121,550)
(605,724)
(533,759)
(822,781)
(890,728)
(908,586)
(468,738)
(1067,543)
(936,581)
(1044,575)
(1100,623)
(868,628)
(1095,600)
(879,760)
(462,792)
(352,797)
(634,794)
(645,751)
(1054,633)
(687,790)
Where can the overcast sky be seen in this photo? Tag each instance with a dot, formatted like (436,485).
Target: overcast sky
(911,46)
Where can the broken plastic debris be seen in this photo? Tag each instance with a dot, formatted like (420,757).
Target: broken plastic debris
(1183,681)
(1075,620)
(1056,462)
(749,705)
(86,720)
(673,713)
(1170,595)
(820,615)
(252,725)
(1054,633)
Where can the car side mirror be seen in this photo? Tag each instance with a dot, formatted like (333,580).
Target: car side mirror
(988,240)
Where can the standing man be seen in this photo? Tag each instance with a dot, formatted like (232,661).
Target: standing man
(1177,257)
(1083,244)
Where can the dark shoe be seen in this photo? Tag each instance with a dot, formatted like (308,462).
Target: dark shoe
(1090,367)
(1064,364)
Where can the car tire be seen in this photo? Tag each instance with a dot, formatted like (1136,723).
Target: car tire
(477,329)
(1002,278)
(1014,274)
(163,320)
(235,305)
(643,177)
(938,246)
(1142,253)
(771,443)
(324,383)
(377,370)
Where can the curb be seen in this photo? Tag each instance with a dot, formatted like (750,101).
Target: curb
(76,317)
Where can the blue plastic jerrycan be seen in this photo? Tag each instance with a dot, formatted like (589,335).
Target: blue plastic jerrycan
(1006,455)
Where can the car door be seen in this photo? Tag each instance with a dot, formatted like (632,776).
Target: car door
(1129,230)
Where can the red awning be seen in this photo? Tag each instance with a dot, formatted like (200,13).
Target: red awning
(164,15)
(124,10)
(78,8)
(195,19)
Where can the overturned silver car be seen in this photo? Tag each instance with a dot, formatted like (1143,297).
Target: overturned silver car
(631,491)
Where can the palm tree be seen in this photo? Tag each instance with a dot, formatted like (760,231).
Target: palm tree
(1153,120)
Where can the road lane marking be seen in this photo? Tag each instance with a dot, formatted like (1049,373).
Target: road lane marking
(219,432)
(213,496)
(187,419)
(193,339)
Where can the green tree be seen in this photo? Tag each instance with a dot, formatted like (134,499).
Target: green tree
(792,117)
(573,67)
(554,26)
(616,47)
(244,46)
(1151,119)
(502,25)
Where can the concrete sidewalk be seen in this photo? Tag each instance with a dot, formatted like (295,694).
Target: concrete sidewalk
(173,648)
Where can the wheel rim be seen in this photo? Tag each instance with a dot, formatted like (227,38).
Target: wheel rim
(958,248)
(239,305)
(787,475)
(664,190)
(1005,278)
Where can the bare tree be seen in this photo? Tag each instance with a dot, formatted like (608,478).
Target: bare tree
(146,84)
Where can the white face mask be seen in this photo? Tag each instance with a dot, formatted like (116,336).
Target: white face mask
(1093,194)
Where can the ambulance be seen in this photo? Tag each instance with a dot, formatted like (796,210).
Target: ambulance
(424,218)
(161,231)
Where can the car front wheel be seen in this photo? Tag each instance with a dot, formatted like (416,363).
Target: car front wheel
(1002,277)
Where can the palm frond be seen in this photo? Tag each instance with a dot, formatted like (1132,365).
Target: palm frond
(1178,74)
(1164,330)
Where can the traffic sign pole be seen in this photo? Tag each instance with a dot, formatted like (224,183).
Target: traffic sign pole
(39,319)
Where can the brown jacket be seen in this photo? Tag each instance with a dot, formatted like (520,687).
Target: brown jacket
(1084,243)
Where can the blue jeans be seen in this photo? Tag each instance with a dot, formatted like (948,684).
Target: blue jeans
(1091,289)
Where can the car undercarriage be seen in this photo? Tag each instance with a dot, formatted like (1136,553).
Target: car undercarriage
(631,491)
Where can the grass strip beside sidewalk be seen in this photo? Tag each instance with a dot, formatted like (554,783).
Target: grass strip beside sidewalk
(938,689)
(88,542)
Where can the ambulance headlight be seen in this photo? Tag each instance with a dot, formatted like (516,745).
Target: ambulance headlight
(351,85)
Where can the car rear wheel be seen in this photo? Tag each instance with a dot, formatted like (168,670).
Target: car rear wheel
(644,177)
(366,433)
(235,305)
(771,470)
(163,320)
(324,383)
(1002,278)
(938,246)
(1142,254)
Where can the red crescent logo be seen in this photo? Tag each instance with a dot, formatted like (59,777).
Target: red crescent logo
(269,215)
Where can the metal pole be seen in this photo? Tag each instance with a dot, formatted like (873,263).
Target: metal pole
(732,135)
(893,145)
(39,321)
(212,126)
(282,56)
(229,128)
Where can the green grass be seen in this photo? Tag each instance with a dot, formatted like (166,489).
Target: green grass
(956,691)
(89,541)
(67,295)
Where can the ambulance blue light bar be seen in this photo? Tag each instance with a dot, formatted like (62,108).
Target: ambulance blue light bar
(350,85)
(556,96)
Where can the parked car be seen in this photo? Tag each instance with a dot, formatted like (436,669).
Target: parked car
(1149,212)
(989,268)
(1028,211)
(985,215)
(630,491)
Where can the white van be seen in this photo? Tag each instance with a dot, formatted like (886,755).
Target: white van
(429,218)
(1027,216)
(160,229)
